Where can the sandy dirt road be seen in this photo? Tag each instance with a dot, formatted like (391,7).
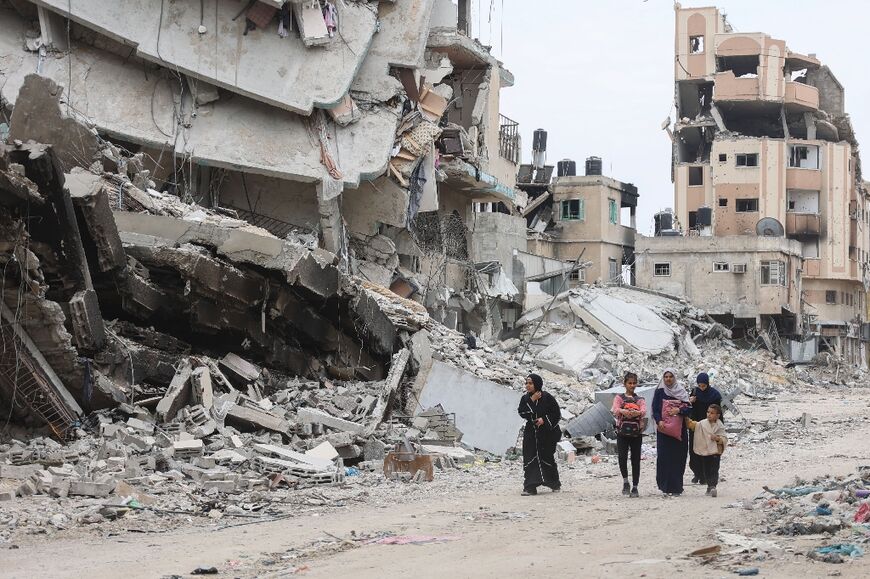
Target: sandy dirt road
(588,530)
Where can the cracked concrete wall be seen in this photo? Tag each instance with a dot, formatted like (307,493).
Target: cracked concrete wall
(261,65)
(400,42)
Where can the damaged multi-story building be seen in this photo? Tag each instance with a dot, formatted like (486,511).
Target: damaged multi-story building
(588,219)
(769,230)
(366,128)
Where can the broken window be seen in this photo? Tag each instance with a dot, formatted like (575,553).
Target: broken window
(696,44)
(693,219)
(746,205)
(574,209)
(831,297)
(662,269)
(720,266)
(804,157)
(810,248)
(773,273)
(577,275)
(723,157)
(696,176)
(723,202)
(614,271)
(614,211)
(745,66)
(747,160)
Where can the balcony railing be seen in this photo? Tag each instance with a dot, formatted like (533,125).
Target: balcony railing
(802,224)
(509,139)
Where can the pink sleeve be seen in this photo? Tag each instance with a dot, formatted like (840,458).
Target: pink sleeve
(617,404)
(642,403)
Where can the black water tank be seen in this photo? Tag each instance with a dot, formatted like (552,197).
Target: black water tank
(662,222)
(539,140)
(593,165)
(705,217)
(566,168)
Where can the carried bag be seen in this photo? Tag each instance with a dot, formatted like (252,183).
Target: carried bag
(673,425)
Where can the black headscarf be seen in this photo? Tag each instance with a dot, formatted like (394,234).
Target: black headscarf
(537,381)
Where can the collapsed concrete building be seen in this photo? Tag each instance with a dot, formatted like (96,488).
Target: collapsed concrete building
(367,128)
(770,209)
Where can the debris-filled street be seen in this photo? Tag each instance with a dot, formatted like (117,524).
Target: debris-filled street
(471,517)
(279,297)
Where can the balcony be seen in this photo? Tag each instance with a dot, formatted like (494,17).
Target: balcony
(730,88)
(509,139)
(802,96)
(802,224)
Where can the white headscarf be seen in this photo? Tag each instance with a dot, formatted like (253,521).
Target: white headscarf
(676,390)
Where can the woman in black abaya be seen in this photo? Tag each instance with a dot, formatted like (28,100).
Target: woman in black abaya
(541,434)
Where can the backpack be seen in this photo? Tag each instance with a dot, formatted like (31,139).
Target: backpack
(631,426)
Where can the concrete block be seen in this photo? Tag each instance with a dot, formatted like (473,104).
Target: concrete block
(200,380)
(323,450)
(314,416)
(290,455)
(239,369)
(26,489)
(374,450)
(224,486)
(177,395)
(21,472)
(140,425)
(89,330)
(248,417)
(6,496)
(629,324)
(91,489)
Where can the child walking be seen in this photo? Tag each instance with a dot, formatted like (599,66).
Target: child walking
(630,413)
(709,444)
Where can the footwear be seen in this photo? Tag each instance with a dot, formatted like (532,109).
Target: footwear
(556,489)
(708,491)
(695,480)
(529,492)
(713,492)
(626,488)
(634,494)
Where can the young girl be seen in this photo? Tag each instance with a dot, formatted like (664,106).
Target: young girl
(709,444)
(630,413)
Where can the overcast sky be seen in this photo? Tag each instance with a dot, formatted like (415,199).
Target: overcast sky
(598,75)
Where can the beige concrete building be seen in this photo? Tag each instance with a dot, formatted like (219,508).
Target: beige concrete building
(595,215)
(762,147)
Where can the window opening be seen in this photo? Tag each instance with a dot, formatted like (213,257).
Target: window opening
(746,205)
(747,160)
(662,269)
(696,176)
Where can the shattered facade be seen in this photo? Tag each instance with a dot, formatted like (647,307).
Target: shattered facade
(762,147)
(368,128)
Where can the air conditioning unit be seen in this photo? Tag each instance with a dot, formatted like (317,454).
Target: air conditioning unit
(738,268)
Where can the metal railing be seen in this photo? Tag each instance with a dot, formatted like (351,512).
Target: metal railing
(508,139)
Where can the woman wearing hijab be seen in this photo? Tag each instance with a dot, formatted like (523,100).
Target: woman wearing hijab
(541,434)
(671,452)
(701,398)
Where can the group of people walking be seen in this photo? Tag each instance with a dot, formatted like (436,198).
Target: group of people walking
(688,426)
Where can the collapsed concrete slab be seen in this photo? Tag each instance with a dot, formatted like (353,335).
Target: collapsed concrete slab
(486,412)
(315,416)
(570,354)
(626,323)
(227,55)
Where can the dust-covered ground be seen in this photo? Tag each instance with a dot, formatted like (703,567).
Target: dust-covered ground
(472,522)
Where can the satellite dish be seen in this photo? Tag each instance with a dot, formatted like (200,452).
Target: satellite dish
(769,227)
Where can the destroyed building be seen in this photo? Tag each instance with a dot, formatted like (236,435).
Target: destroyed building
(770,223)
(366,128)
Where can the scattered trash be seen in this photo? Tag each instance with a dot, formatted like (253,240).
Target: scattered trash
(413,540)
(204,571)
(748,571)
